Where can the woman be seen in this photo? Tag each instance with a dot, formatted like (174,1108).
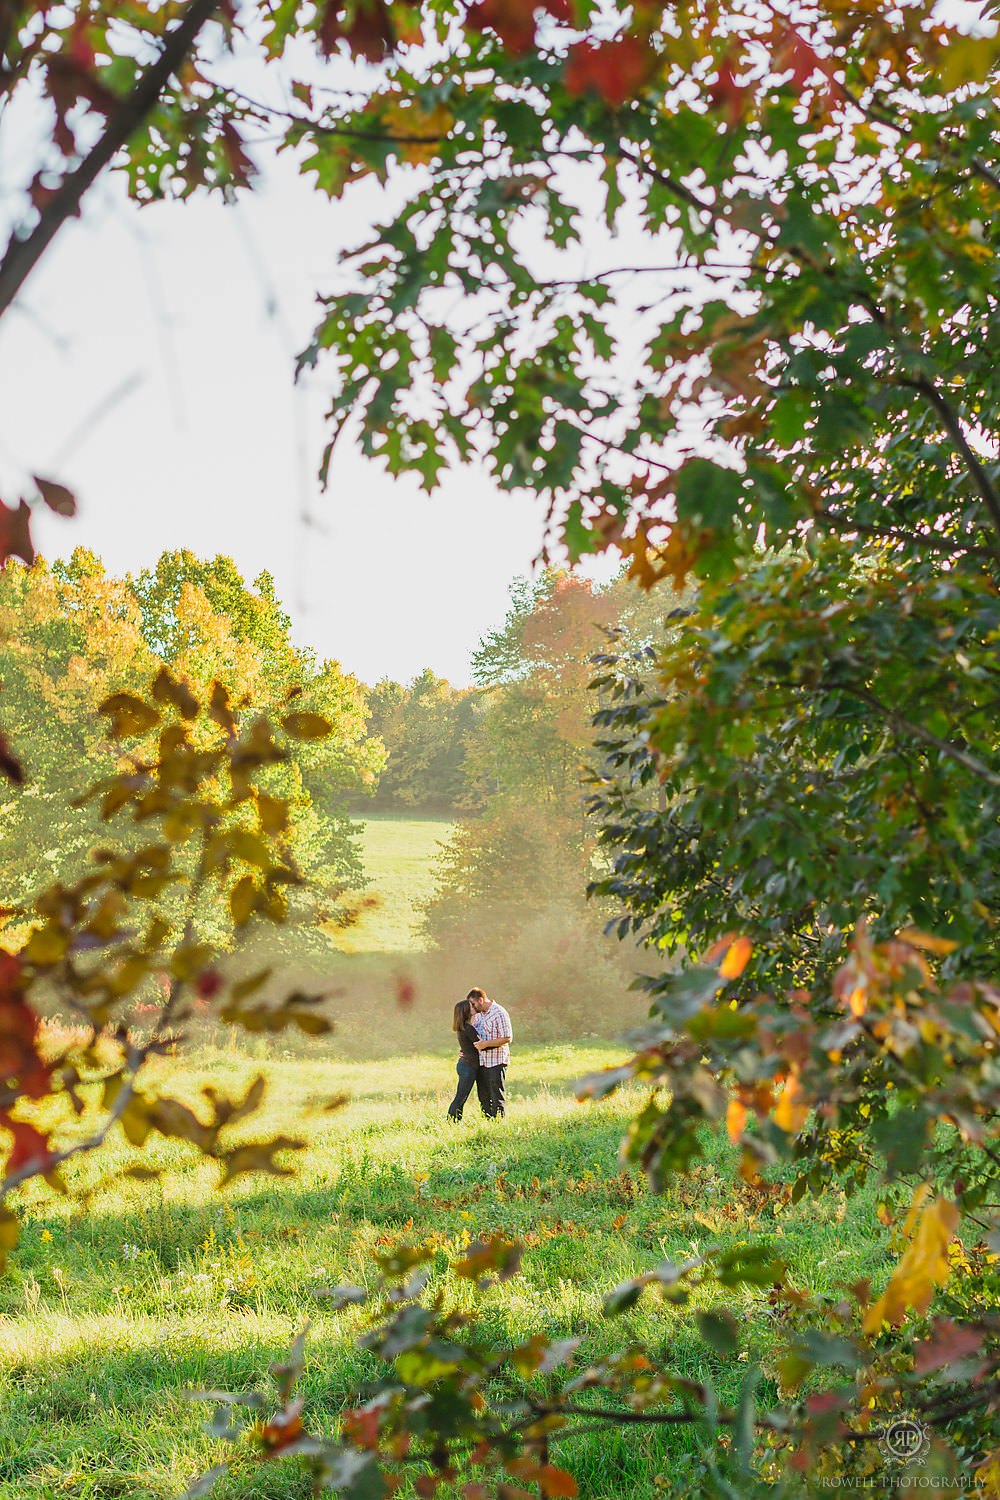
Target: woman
(468,1056)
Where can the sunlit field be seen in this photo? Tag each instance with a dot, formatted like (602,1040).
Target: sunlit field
(113,1316)
(399,855)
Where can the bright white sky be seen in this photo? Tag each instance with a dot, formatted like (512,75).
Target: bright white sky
(149,366)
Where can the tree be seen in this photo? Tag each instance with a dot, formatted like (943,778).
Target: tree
(73,636)
(424,727)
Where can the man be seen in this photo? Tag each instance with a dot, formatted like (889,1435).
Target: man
(494,1053)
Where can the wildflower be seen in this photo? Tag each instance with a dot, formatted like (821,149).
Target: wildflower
(46,1236)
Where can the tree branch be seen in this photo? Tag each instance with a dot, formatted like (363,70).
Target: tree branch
(845,526)
(22,256)
(951,424)
(970,762)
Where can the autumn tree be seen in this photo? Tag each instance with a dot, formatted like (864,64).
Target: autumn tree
(72,635)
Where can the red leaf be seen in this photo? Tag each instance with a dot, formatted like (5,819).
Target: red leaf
(728,93)
(207,984)
(80,49)
(284,1428)
(15,535)
(240,164)
(614,70)
(794,52)
(365,25)
(948,1342)
(29,1144)
(360,1427)
(514,20)
(19,1057)
(56,496)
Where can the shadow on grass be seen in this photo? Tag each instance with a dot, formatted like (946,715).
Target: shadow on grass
(116,1421)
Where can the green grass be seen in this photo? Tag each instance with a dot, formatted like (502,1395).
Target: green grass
(398,855)
(110,1318)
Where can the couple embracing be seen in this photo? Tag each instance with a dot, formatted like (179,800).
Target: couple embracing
(484,1038)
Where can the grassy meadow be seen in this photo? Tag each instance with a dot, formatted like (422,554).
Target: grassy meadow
(113,1313)
(399,855)
(111,1317)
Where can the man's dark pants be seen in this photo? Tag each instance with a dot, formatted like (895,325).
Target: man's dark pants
(491,1086)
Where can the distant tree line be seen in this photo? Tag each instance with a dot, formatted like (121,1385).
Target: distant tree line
(507,758)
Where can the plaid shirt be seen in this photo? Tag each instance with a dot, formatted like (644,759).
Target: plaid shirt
(493,1023)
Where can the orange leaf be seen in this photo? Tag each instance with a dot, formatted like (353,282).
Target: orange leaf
(789,1115)
(927,941)
(557,1484)
(736,1118)
(736,959)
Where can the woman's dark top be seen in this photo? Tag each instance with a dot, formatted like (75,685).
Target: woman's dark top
(468,1036)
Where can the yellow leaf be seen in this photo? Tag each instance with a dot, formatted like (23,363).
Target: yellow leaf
(242,900)
(272,812)
(924,1265)
(927,941)
(46,945)
(736,959)
(306,726)
(418,132)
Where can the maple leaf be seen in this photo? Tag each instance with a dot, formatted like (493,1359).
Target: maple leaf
(15,535)
(614,70)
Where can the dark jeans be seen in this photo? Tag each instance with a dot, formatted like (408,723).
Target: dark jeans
(466,1078)
(491,1086)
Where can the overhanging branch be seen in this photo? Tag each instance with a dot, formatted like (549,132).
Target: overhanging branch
(22,256)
